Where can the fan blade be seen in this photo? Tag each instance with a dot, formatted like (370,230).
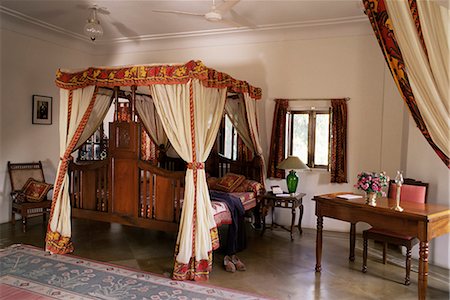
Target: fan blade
(178,12)
(100,10)
(226,5)
(241,20)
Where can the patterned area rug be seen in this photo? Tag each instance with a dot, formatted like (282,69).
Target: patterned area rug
(30,273)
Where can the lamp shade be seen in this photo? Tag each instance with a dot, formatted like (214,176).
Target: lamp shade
(292,163)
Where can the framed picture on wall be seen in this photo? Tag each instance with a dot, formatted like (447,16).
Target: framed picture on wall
(42,110)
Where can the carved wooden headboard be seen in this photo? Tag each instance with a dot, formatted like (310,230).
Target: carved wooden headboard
(218,165)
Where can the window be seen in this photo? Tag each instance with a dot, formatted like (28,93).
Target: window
(228,139)
(308,137)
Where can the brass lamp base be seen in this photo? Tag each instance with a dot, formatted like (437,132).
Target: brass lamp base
(397,208)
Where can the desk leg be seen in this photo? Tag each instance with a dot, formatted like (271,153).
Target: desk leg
(292,222)
(257,215)
(300,219)
(319,243)
(263,216)
(352,241)
(423,269)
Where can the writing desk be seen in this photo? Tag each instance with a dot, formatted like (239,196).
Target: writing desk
(424,221)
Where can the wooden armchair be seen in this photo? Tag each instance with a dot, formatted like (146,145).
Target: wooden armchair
(20,174)
(412,191)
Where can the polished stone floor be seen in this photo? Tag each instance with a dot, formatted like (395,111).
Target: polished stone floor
(276,267)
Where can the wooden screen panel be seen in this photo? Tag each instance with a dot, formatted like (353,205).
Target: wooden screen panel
(88,185)
(125,187)
(88,190)
(164,195)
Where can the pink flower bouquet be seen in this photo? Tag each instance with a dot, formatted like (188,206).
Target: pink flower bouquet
(372,182)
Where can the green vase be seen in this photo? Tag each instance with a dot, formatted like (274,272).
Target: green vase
(292,182)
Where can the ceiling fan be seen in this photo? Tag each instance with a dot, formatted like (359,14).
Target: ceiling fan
(215,14)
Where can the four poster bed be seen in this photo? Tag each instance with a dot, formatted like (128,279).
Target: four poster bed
(179,105)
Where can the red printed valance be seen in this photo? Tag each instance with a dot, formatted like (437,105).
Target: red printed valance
(158,74)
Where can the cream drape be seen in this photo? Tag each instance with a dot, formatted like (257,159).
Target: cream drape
(73,118)
(235,109)
(428,76)
(99,111)
(250,108)
(182,120)
(147,113)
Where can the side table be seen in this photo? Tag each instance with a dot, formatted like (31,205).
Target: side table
(270,200)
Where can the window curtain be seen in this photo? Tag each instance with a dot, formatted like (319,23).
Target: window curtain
(147,113)
(77,108)
(244,153)
(250,108)
(278,139)
(235,109)
(189,116)
(338,161)
(414,39)
(97,116)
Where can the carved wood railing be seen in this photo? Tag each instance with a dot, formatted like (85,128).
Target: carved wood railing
(88,185)
(158,202)
(160,194)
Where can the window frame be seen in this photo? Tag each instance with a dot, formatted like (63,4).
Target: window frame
(222,137)
(312,113)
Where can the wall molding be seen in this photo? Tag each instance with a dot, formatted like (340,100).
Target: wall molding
(326,28)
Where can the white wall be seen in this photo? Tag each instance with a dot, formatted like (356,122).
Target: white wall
(28,67)
(321,68)
(327,67)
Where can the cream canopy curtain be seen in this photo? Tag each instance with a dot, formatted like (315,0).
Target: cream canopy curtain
(235,109)
(189,116)
(75,111)
(427,72)
(99,111)
(147,113)
(250,107)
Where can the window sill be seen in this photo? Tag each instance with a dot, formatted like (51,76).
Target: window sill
(316,170)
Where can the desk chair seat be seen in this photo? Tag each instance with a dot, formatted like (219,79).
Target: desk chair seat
(412,191)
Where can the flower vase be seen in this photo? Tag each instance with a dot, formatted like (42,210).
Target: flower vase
(371,198)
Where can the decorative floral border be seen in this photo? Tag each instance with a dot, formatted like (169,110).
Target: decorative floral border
(157,74)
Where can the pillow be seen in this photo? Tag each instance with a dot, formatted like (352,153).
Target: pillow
(35,191)
(229,182)
(212,182)
(250,186)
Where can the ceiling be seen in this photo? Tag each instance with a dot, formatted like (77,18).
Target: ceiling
(134,20)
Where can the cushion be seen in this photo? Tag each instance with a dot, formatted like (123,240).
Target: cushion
(249,186)
(36,191)
(229,182)
(212,181)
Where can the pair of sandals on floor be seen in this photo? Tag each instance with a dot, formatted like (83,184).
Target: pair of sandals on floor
(233,263)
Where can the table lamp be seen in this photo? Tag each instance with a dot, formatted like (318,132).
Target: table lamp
(292,163)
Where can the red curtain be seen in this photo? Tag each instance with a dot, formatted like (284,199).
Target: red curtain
(244,153)
(278,139)
(338,163)
(149,150)
(382,27)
